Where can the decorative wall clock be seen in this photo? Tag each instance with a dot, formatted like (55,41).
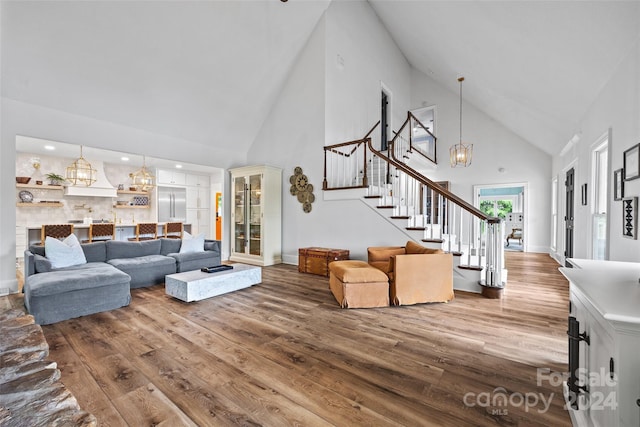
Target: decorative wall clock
(301,188)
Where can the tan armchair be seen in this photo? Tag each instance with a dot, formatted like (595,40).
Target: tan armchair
(416,274)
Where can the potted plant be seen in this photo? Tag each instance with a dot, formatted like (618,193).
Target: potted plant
(54,178)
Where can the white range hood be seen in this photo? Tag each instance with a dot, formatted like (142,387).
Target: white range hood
(101,188)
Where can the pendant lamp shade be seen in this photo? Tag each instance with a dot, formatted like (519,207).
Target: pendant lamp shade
(80,172)
(142,179)
(460,154)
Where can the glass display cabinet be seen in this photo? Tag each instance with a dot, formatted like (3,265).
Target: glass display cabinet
(256,215)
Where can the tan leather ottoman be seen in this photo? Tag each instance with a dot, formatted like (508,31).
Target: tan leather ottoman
(356,284)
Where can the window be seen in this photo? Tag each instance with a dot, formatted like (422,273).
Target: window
(600,183)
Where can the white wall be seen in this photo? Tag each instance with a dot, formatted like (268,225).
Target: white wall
(617,107)
(322,104)
(494,147)
(369,58)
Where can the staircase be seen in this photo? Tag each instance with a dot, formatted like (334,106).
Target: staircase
(424,210)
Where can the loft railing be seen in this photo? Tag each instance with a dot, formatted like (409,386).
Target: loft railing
(414,137)
(442,216)
(345,164)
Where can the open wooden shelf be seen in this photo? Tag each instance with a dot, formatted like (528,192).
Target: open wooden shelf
(40,205)
(143,193)
(41,187)
(132,207)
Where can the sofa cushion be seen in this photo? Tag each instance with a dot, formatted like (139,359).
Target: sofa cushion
(414,248)
(170,246)
(37,250)
(91,275)
(353,271)
(64,253)
(95,252)
(145,270)
(195,260)
(42,264)
(212,245)
(118,250)
(192,243)
(379,256)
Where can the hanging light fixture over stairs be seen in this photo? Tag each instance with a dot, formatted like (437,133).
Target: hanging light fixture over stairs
(460,154)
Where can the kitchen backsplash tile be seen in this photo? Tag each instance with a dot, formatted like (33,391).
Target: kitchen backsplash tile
(75,208)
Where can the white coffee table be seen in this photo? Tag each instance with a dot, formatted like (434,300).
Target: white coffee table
(197,285)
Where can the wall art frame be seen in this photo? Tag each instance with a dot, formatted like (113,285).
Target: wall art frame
(631,163)
(618,184)
(630,218)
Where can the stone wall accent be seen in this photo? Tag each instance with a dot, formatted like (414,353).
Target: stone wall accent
(31,393)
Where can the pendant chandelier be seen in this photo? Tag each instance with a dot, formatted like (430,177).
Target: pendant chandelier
(460,154)
(81,172)
(142,179)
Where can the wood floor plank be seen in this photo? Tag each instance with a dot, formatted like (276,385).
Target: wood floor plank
(284,353)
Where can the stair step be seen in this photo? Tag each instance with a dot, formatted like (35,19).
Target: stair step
(470,267)
(433,240)
(400,217)
(416,228)
(455,253)
(373,197)
(386,207)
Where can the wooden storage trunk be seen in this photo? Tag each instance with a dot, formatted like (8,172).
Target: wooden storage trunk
(316,260)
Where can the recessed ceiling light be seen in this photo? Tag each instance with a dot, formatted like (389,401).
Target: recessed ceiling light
(179,166)
(49,147)
(124,159)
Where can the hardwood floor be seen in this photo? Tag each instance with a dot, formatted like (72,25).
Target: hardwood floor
(284,353)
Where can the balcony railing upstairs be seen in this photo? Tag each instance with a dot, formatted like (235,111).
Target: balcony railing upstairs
(345,164)
(414,137)
(439,215)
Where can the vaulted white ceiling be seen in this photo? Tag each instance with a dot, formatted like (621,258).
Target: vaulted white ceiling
(203,71)
(534,66)
(209,71)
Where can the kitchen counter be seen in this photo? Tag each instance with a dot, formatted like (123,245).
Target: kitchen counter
(612,287)
(124,231)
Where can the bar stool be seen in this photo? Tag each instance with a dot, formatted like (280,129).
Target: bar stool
(58,231)
(173,230)
(105,230)
(145,231)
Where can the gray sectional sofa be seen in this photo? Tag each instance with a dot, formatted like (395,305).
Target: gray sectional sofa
(104,282)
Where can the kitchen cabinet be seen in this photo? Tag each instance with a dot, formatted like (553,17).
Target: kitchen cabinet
(256,217)
(603,386)
(199,220)
(198,203)
(123,233)
(198,198)
(198,180)
(170,177)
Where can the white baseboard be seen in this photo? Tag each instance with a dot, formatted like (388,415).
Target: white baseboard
(290,259)
(8,287)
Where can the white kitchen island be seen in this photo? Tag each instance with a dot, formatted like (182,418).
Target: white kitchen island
(605,320)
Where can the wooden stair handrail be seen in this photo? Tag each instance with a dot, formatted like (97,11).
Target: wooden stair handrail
(432,185)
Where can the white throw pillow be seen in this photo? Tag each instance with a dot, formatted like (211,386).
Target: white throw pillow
(64,253)
(192,243)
